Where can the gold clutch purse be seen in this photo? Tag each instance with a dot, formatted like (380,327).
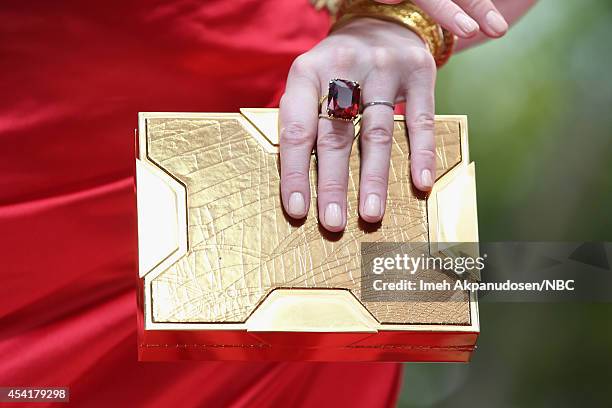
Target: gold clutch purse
(225,275)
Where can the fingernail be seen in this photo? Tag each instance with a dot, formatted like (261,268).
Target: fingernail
(496,22)
(333,216)
(466,24)
(426,178)
(297,206)
(372,206)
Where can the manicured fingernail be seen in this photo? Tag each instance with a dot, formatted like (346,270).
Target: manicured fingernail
(466,24)
(333,216)
(297,206)
(372,206)
(496,22)
(426,178)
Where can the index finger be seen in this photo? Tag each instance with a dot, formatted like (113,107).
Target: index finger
(298,115)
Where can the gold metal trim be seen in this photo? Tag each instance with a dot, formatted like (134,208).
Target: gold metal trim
(162,236)
(311,310)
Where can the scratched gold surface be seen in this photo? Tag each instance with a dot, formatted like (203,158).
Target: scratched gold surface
(241,245)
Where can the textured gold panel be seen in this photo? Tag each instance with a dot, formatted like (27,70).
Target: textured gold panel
(241,245)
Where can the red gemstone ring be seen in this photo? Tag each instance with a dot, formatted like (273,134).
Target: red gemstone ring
(343,100)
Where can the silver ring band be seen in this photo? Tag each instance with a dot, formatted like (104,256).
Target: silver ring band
(386,103)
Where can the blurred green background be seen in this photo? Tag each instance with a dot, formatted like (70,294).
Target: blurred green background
(539,104)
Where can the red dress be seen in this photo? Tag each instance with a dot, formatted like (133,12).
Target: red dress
(73,75)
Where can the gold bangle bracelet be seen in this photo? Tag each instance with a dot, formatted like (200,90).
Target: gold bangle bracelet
(439,40)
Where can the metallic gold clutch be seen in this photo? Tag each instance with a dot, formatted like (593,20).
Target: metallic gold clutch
(225,275)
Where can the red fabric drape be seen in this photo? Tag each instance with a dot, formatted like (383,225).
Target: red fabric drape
(73,75)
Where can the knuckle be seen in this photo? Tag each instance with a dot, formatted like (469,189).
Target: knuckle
(383,58)
(378,135)
(294,177)
(330,186)
(334,141)
(426,155)
(421,59)
(478,5)
(374,179)
(424,121)
(296,134)
(344,56)
(301,66)
(440,7)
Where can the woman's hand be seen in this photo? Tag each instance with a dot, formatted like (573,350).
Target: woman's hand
(392,64)
(464,18)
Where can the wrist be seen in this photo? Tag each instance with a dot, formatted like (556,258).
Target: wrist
(439,41)
(385,31)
